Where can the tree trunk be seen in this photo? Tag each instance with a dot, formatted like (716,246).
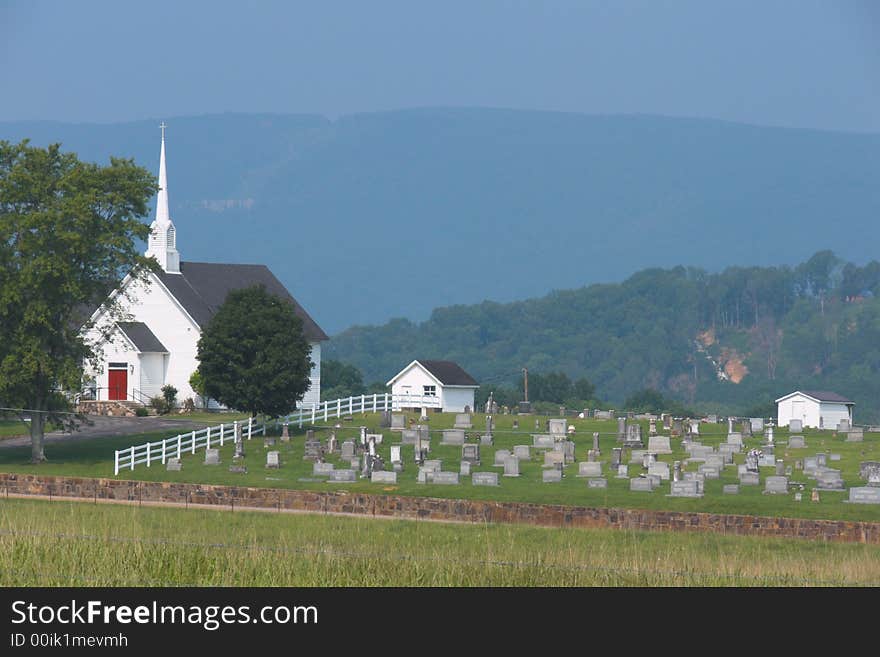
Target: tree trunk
(38,425)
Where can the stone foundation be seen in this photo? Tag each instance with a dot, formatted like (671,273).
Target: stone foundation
(427,508)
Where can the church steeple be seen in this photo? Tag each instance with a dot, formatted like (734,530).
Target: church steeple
(162,244)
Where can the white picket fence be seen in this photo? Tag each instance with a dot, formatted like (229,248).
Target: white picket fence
(218,435)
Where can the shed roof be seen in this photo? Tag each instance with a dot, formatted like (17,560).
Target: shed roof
(141,337)
(820,396)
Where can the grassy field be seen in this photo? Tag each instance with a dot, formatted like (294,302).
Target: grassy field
(80,544)
(94,458)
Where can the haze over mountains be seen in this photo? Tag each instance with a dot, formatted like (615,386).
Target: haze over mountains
(393,214)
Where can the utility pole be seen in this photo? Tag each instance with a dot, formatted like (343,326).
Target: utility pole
(526,384)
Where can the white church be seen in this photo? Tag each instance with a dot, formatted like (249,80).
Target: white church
(156,345)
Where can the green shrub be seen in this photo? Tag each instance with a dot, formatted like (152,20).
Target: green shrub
(169,394)
(159,405)
(141,411)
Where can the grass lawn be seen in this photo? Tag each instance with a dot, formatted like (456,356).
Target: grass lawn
(82,544)
(94,458)
(9,428)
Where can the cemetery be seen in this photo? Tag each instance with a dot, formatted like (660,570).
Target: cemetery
(753,469)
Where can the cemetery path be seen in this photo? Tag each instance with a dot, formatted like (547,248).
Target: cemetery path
(104,427)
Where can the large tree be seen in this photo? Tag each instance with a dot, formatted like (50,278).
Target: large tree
(68,232)
(253,355)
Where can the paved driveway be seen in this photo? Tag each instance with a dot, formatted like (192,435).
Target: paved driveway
(101,426)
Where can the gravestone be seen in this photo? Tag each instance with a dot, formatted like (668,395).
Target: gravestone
(659,445)
(652,430)
(828,479)
(347,452)
(766,460)
(621,429)
(597,482)
(238,469)
(714,461)
(709,471)
(869,471)
(616,455)
(511,466)
(689,488)
(834,457)
(425,476)
(698,453)
(666,418)
(269,441)
(567,449)
(798,497)
(795,426)
(173,465)
(730,489)
(842,426)
(622,471)
(648,459)
(464,468)
(500,456)
(596,442)
(641,485)
(470,453)
(775,485)
(553,457)
(383,477)
(756,424)
(768,435)
(676,470)
(516,424)
(855,435)
(694,427)
(637,457)
(434,465)
(864,495)
(557,427)
(821,460)
(677,427)
(588,469)
(446,478)
(452,437)
(727,451)
(385,420)
(318,469)
(484,478)
(396,458)
(735,439)
(463,421)
(375,437)
(796,442)
(522,452)
(543,441)
(212,456)
(746,428)
(780,467)
(313,449)
(333,443)
(551,476)
(811,463)
(660,470)
(633,436)
(285,433)
(342,476)
(398,422)
(486,439)
(273,459)
(409,436)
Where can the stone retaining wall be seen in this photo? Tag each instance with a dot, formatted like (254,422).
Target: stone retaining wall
(428,508)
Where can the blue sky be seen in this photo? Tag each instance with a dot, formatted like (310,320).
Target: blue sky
(798,63)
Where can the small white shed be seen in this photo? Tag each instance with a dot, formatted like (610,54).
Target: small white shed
(818,409)
(427,380)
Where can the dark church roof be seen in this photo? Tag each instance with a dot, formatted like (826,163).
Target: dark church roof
(201,288)
(448,373)
(825,395)
(142,337)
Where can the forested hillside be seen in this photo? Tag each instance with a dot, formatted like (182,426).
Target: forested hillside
(728,342)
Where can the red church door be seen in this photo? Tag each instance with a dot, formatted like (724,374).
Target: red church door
(118,384)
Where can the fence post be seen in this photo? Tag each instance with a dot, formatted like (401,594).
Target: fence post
(300,418)
(339,408)
(221,434)
(178,446)
(148,455)
(115,464)
(351,405)
(326,410)
(131,450)
(250,425)
(363,404)
(163,452)
(193,446)
(374,402)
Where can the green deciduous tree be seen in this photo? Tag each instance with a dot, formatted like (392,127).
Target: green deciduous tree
(253,355)
(68,232)
(340,380)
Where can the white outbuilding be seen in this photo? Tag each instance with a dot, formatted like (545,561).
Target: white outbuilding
(434,384)
(819,409)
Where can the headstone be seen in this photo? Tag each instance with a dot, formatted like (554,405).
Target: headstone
(567,449)
(269,441)
(385,420)
(313,449)
(173,465)
(398,422)
(633,436)
(796,442)
(834,457)
(869,471)
(616,455)
(676,470)
(484,478)
(515,426)
(659,469)
(864,495)
(730,489)
(470,453)
(821,460)
(463,421)
(522,452)
(622,471)
(273,459)
(285,433)
(842,426)
(795,426)
(746,428)
(553,457)
(383,477)
(238,469)
(511,466)
(727,451)
(333,443)
(596,442)
(396,454)
(694,427)
(811,463)
(543,441)
(343,476)
(828,479)
(677,427)
(637,457)
(709,471)
(551,476)
(775,485)
(212,456)
(652,430)
(409,436)
(434,465)
(659,445)
(486,439)
(347,452)
(375,437)
(641,484)
(588,469)
(855,435)
(446,478)
(666,418)
(500,456)
(735,439)
(798,497)
(780,467)
(689,488)
(621,429)
(464,468)
(768,434)
(756,424)
(648,459)
(767,461)
(597,482)
(452,437)
(318,469)
(557,427)
(814,495)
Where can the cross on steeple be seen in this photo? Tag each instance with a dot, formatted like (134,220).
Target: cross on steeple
(163,126)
